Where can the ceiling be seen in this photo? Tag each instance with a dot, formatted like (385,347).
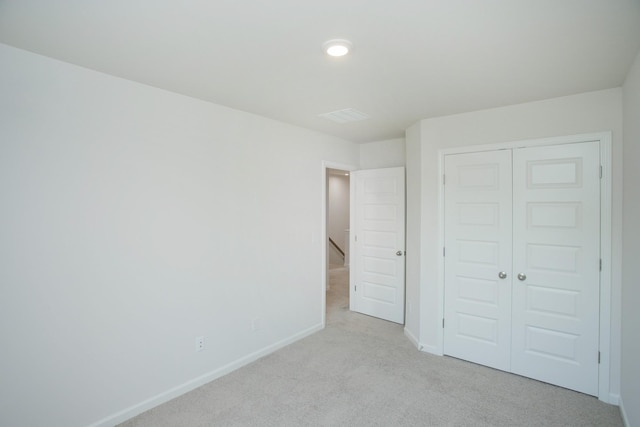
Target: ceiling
(411,59)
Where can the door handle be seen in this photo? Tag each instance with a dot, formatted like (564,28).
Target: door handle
(522,277)
(399,253)
(502,275)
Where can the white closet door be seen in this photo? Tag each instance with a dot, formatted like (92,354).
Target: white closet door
(478,249)
(556,225)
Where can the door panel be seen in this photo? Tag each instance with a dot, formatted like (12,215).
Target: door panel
(478,248)
(557,247)
(379,233)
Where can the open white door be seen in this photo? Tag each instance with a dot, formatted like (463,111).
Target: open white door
(378,243)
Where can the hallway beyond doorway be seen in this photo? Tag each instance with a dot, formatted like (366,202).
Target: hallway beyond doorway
(337,293)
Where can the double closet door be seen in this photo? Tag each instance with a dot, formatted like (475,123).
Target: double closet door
(522,261)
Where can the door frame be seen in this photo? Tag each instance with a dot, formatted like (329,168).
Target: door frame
(323,230)
(605,320)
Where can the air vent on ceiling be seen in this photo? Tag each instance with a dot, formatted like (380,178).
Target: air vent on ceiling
(345,116)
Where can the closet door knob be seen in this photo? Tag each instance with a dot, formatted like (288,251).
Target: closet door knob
(502,275)
(522,276)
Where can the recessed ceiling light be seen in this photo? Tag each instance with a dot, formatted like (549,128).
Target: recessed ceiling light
(337,47)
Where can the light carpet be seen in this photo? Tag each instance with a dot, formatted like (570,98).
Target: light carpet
(362,371)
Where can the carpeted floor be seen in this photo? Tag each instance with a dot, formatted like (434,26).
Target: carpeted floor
(362,371)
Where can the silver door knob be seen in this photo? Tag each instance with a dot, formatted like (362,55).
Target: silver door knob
(502,275)
(399,253)
(522,276)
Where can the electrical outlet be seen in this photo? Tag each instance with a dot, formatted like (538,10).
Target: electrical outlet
(199,343)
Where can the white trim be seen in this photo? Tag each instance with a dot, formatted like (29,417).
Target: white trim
(424,348)
(604,376)
(614,399)
(623,413)
(568,139)
(352,244)
(431,349)
(163,397)
(323,229)
(413,339)
(439,349)
(604,138)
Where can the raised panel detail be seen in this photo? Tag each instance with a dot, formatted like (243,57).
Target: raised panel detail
(553,258)
(380,185)
(553,344)
(478,290)
(477,177)
(478,252)
(379,293)
(478,328)
(380,212)
(552,301)
(478,214)
(554,215)
(558,173)
(379,239)
(379,266)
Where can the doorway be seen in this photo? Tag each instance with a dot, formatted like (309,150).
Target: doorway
(337,242)
(370,266)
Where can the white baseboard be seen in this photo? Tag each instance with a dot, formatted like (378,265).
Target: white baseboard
(420,346)
(163,397)
(432,350)
(614,399)
(625,420)
(412,338)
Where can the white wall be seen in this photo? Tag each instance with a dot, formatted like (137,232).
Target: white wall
(134,220)
(382,154)
(630,374)
(583,113)
(338,216)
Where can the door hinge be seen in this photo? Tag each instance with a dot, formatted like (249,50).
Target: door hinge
(443,179)
(443,251)
(443,322)
(355,288)
(600,264)
(600,171)
(355,237)
(598,358)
